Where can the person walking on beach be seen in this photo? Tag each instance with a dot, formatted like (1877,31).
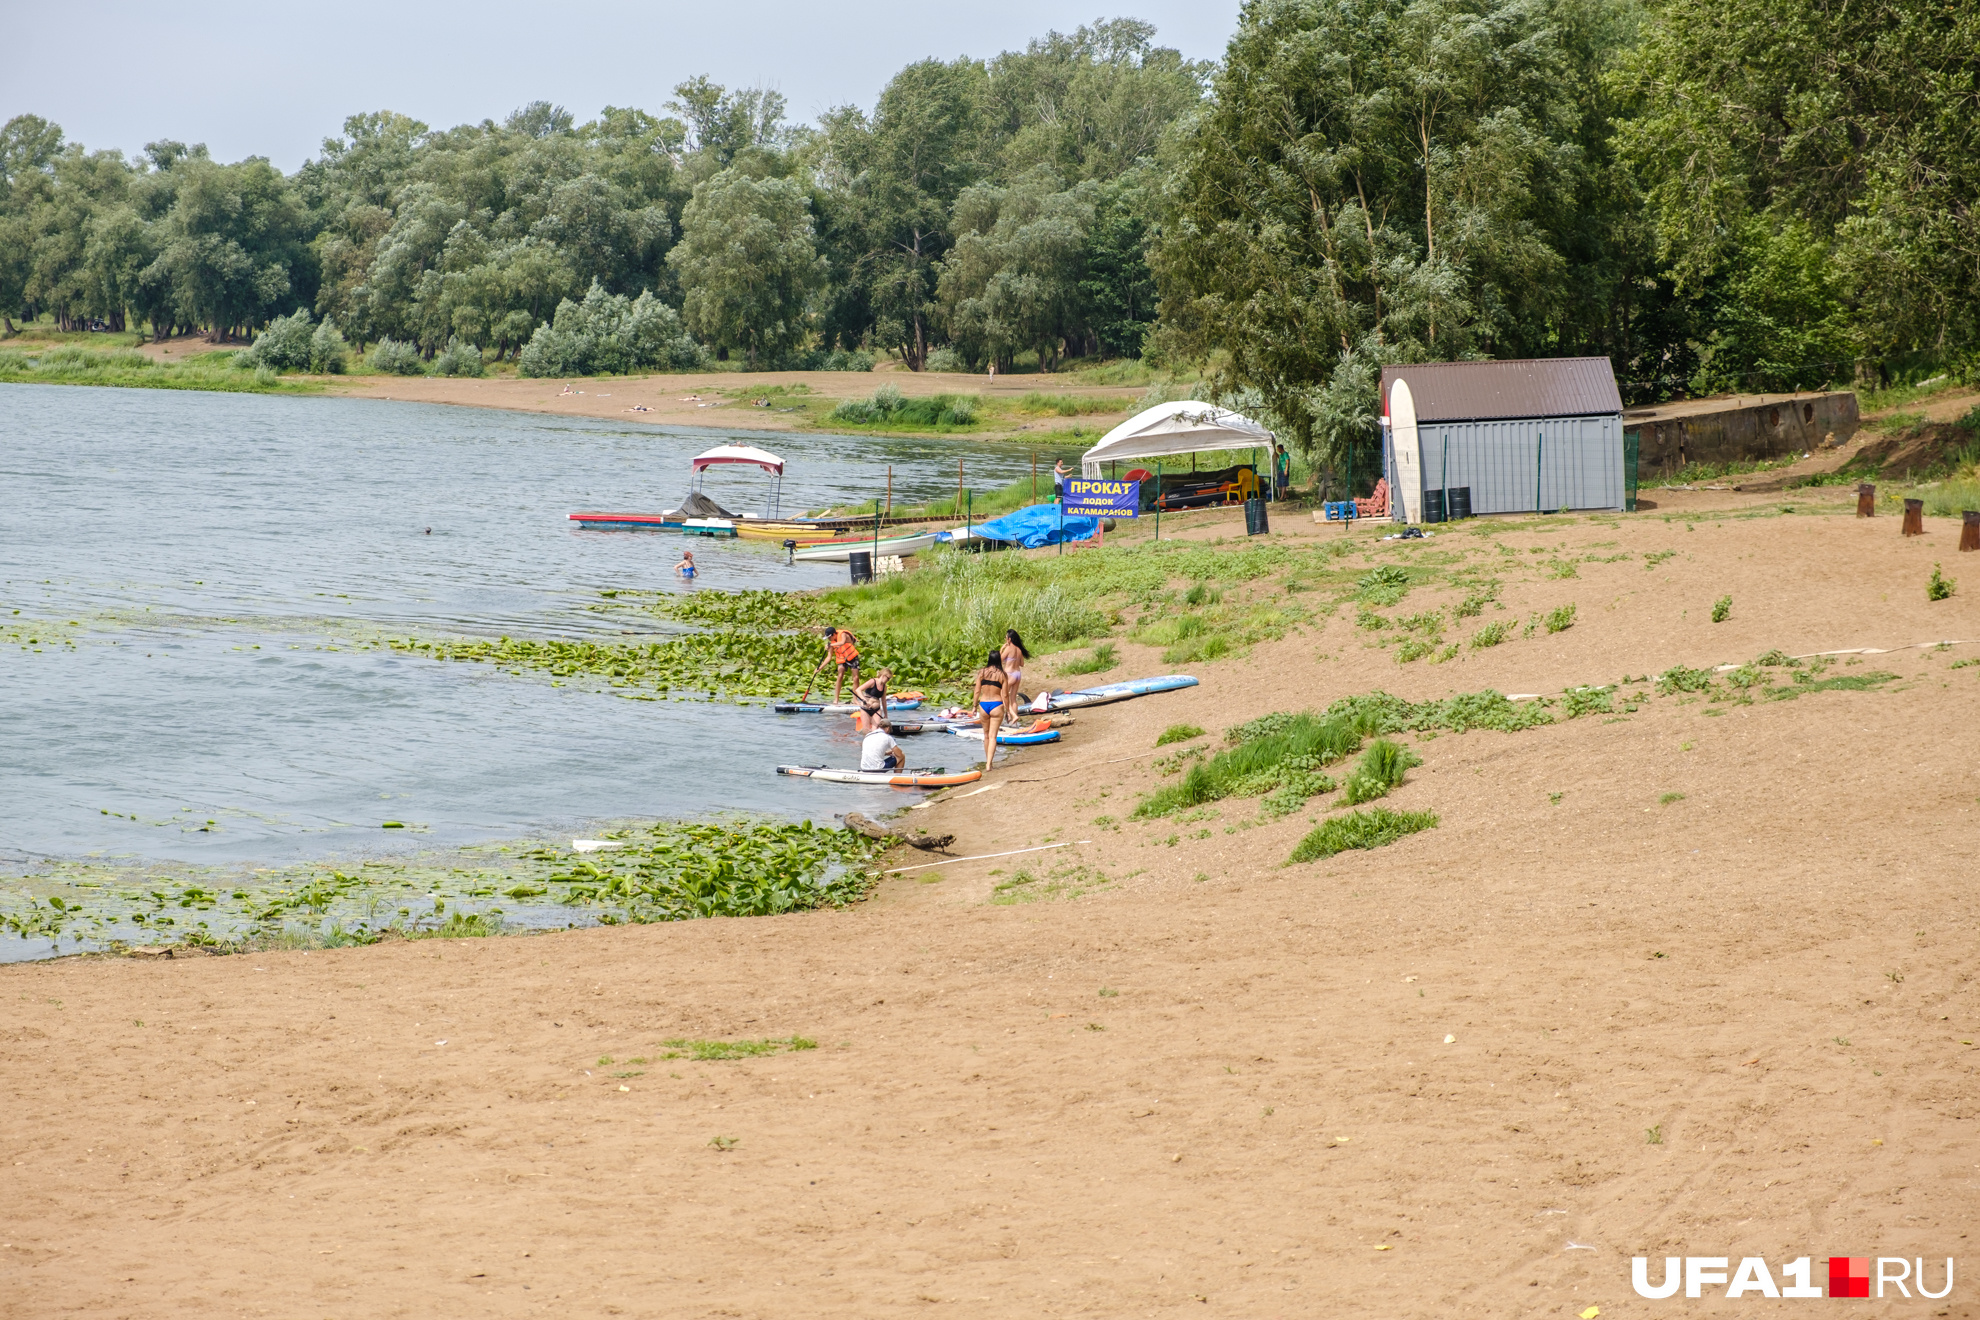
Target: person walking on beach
(1013,655)
(686,567)
(842,648)
(992,688)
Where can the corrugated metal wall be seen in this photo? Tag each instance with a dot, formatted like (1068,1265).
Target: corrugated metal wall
(1577,462)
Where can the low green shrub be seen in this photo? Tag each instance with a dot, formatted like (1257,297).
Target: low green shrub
(1380,769)
(1102,658)
(1360,829)
(391,358)
(1176,733)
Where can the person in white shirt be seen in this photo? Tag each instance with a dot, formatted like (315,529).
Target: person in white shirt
(879,751)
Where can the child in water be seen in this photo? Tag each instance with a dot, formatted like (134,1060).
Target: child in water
(686,567)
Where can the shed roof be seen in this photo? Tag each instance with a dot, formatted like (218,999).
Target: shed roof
(1484,391)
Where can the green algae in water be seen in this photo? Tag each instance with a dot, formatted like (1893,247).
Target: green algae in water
(664,871)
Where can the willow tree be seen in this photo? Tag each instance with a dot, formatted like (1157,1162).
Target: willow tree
(1377,181)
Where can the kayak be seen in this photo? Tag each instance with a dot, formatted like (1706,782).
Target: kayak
(669,521)
(838,552)
(1106,692)
(813,708)
(936,778)
(1011,739)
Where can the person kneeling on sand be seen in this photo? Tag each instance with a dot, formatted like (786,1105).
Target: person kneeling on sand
(879,751)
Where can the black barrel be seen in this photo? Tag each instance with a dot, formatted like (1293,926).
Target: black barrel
(1433,506)
(1457,502)
(1254,518)
(862,566)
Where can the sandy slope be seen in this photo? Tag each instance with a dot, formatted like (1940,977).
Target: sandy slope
(1266,1101)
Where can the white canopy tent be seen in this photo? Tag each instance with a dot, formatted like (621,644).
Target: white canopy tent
(746,456)
(1185,426)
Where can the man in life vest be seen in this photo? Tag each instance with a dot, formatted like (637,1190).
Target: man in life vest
(842,648)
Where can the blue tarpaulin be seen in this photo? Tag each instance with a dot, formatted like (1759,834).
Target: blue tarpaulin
(1036,526)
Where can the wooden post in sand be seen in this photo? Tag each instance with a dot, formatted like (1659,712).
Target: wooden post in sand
(1969,529)
(1866,500)
(1914,518)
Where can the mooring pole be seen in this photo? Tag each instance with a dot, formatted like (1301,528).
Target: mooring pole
(959,481)
(890,490)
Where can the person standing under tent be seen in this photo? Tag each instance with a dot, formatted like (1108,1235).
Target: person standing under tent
(992,685)
(841,648)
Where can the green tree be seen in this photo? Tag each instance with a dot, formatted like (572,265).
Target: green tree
(748,264)
(886,187)
(1809,157)
(1015,278)
(1378,182)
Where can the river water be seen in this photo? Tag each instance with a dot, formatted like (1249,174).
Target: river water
(186,580)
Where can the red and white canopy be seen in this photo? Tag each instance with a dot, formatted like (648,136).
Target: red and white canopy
(748,454)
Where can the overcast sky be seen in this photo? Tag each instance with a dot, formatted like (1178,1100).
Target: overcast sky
(275,79)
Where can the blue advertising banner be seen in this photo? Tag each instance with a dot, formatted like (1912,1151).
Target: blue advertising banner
(1085,498)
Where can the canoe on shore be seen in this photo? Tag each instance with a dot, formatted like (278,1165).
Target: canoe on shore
(936,778)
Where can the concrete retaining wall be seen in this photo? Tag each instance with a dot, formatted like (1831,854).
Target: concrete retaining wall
(1742,429)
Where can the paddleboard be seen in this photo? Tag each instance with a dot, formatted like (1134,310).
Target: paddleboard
(813,708)
(1010,739)
(1106,692)
(936,778)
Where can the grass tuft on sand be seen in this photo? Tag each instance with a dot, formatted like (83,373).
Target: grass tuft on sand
(1360,829)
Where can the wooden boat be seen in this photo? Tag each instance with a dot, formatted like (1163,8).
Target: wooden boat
(936,778)
(804,534)
(838,552)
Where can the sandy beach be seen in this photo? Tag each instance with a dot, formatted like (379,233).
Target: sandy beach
(727,400)
(1474,1072)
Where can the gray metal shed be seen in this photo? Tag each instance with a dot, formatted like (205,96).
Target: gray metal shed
(1516,437)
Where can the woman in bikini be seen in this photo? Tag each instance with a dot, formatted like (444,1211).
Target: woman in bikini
(1014,655)
(992,687)
(871,698)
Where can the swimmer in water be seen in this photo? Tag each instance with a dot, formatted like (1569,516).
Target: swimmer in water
(686,567)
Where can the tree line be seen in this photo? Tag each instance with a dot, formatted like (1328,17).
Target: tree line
(1716,194)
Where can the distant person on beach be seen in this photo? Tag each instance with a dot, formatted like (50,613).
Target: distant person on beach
(566,390)
(871,697)
(879,751)
(842,649)
(1013,655)
(992,687)
(686,567)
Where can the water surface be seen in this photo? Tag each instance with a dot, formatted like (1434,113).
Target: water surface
(198,574)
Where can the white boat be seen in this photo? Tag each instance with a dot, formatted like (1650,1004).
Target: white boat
(838,552)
